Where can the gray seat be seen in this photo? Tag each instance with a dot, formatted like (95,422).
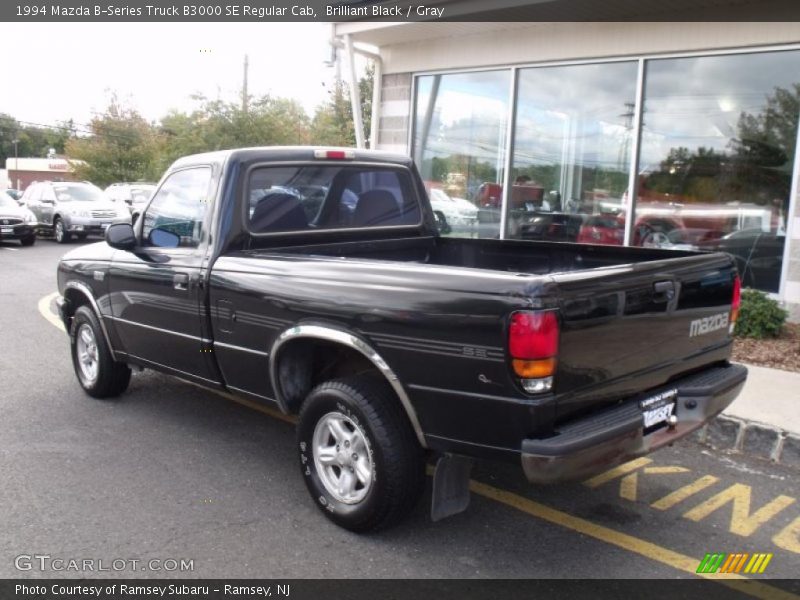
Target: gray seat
(376,207)
(278,211)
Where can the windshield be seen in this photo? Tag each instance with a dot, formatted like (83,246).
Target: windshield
(81,193)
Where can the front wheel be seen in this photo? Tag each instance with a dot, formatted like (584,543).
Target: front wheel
(98,373)
(60,232)
(359,456)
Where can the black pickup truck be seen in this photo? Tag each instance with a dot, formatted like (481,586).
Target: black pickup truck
(315,280)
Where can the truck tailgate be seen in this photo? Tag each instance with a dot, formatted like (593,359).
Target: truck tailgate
(633,327)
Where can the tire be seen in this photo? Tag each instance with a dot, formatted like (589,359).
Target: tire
(59,231)
(28,241)
(370,415)
(98,373)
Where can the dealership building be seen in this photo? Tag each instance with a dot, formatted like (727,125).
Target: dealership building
(548,127)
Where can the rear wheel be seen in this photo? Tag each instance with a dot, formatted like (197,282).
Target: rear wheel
(28,241)
(98,373)
(60,231)
(359,456)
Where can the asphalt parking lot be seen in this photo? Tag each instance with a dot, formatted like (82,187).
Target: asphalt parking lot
(172,471)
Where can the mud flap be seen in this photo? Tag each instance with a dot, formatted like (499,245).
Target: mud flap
(450,486)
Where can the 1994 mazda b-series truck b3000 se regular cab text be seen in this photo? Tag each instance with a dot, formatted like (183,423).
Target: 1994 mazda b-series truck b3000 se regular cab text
(315,280)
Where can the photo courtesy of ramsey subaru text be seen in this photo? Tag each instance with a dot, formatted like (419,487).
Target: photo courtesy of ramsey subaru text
(315,280)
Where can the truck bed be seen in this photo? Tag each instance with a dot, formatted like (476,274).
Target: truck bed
(429,293)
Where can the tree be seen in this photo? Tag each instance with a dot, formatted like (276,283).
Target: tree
(219,125)
(121,146)
(32,140)
(333,124)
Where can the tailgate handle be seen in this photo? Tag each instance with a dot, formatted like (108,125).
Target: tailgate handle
(664,291)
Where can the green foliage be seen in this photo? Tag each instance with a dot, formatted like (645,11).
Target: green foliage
(122,146)
(219,125)
(759,316)
(32,140)
(332,124)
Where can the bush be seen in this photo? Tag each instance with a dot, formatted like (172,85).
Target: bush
(759,316)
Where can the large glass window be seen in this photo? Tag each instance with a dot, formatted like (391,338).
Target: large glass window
(715,168)
(459,146)
(717,146)
(572,144)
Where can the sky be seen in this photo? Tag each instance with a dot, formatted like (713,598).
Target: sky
(56,71)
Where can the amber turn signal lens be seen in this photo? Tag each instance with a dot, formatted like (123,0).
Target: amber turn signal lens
(534,369)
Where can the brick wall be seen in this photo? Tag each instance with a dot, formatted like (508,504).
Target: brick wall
(395,113)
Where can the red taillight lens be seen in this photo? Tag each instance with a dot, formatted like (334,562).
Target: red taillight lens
(737,299)
(533,335)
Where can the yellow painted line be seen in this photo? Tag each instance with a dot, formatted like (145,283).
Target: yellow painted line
(619,471)
(683,493)
(679,561)
(44,310)
(649,550)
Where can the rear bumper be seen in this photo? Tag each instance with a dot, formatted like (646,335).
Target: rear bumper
(586,446)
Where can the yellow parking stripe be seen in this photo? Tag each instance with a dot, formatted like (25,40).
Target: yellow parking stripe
(44,310)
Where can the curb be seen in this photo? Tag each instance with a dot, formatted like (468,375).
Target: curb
(752,438)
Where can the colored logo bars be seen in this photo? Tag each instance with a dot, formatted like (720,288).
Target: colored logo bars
(734,563)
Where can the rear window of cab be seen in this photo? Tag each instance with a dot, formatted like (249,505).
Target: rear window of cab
(289,198)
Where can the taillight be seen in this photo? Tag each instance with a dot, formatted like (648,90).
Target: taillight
(334,154)
(736,302)
(533,346)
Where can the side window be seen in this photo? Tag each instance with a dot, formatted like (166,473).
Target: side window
(30,194)
(175,216)
(47,194)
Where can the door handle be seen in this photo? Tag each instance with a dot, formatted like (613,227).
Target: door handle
(180,281)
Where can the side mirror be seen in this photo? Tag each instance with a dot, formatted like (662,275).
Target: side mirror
(121,236)
(161,238)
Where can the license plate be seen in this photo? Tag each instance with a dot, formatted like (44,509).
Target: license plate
(658,408)
(6,230)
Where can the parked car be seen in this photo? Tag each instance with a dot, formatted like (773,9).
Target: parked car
(16,222)
(390,342)
(134,195)
(457,211)
(64,209)
(758,254)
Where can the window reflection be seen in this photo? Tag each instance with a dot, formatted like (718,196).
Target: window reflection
(718,143)
(459,146)
(572,144)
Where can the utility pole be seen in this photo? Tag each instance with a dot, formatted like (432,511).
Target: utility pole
(244,86)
